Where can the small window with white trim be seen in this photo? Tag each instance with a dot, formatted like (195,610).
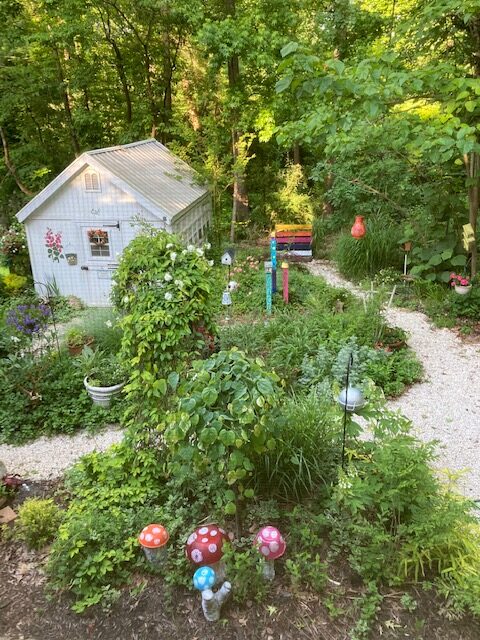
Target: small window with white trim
(92,181)
(99,241)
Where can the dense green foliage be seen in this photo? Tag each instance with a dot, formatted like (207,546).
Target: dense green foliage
(230,443)
(46,396)
(220,428)
(38,522)
(330,324)
(163,293)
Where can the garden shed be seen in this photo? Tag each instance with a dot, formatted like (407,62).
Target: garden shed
(78,226)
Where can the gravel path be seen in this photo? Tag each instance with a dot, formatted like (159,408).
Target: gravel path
(437,406)
(48,458)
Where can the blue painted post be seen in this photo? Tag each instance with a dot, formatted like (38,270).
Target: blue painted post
(268,285)
(273,258)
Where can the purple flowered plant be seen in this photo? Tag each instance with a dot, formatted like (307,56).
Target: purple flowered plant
(29,319)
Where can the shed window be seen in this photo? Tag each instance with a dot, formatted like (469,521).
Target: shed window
(92,181)
(99,241)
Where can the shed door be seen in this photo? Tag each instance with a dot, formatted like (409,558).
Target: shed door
(102,244)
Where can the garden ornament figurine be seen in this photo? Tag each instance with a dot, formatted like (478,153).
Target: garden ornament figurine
(203,580)
(358,230)
(153,539)
(271,546)
(205,547)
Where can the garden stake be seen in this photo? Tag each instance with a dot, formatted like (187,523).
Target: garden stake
(268,285)
(50,305)
(350,362)
(212,602)
(285,281)
(273,258)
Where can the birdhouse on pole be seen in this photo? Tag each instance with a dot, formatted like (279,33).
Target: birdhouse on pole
(228,257)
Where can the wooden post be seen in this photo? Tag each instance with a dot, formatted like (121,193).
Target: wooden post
(273,258)
(285,281)
(268,285)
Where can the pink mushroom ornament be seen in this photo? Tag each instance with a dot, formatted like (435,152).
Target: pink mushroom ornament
(205,547)
(271,545)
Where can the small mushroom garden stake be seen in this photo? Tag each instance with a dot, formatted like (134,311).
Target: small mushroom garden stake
(204,547)
(271,545)
(203,579)
(153,539)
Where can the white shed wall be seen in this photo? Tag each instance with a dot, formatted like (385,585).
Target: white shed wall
(72,211)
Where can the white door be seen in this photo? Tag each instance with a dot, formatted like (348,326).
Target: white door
(102,244)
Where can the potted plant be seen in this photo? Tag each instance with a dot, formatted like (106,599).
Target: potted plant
(105,376)
(461,284)
(76,339)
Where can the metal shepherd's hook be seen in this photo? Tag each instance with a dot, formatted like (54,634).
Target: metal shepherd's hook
(349,365)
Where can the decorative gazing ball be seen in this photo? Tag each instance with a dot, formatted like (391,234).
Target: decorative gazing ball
(351,399)
(204,578)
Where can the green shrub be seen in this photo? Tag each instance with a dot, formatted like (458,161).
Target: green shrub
(45,396)
(467,306)
(37,522)
(220,428)
(377,250)
(395,520)
(14,284)
(164,295)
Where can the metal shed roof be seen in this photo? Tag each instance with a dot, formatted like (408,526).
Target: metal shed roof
(147,168)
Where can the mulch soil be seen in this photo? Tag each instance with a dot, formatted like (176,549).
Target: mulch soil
(144,611)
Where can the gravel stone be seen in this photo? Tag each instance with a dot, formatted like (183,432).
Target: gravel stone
(48,458)
(445,406)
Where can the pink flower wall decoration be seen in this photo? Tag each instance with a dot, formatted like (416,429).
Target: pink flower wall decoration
(53,242)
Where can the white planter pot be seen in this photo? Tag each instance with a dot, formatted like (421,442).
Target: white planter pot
(463,290)
(102,395)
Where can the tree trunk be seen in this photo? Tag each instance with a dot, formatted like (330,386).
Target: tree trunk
(119,65)
(66,103)
(472,166)
(11,167)
(296,153)
(240,208)
(327,206)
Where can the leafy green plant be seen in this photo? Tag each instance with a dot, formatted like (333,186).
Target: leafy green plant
(244,571)
(76,337)
(368,605)
(37,522)
(306,570)
(438,259)
(163,294)
(220,426)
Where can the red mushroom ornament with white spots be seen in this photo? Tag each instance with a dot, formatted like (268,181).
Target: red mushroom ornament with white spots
(205,547)
(271,546)
(153,540)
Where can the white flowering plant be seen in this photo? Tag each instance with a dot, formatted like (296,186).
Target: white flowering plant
(164,293)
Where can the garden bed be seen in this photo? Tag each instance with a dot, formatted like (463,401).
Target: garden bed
(147,607)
